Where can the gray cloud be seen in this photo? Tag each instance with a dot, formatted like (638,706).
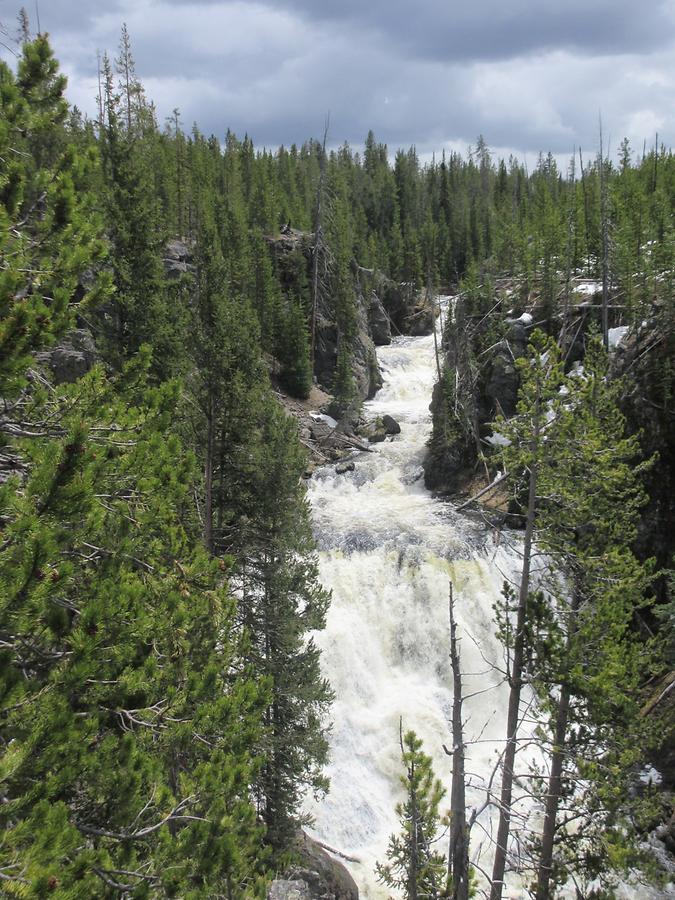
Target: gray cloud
(528,76)
(492,29)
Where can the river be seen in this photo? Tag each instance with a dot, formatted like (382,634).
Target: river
(388,550)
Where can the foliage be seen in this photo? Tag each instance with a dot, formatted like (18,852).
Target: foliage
(415,866)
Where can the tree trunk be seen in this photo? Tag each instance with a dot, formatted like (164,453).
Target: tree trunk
(458,856)
(604,216)
(554,790)
(208,480)
(516,674)
(553,797)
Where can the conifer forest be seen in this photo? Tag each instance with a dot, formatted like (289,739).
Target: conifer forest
(336,510)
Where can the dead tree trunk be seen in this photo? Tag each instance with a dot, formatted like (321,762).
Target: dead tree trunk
(208,478)
(586,213)
(516,674)
(604,218)
(554,788)
(458,856)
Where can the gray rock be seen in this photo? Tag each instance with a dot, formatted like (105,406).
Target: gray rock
(502,385)
(378,322)
(318,877)
(177,259)
(374,432)
(391,426)
(406,307)
(283,889)
(72,357)
(320,430)
(343,467)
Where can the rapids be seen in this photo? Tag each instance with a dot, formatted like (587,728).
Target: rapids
(387,551)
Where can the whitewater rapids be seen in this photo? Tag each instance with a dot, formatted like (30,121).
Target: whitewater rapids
(388,551)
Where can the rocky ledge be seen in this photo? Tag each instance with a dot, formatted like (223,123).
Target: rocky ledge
(317,876)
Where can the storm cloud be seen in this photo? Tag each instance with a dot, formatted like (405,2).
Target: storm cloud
(528,76)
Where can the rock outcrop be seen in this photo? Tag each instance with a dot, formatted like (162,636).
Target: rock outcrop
(72,357)
(500,381)
(318,876)
(177,259)
(384,309)
(454,446)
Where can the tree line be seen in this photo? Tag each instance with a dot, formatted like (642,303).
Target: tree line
(163,711)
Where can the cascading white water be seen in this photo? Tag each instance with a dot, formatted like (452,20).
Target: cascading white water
(388,551)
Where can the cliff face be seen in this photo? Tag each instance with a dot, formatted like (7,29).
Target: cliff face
(383,309)
(476,388)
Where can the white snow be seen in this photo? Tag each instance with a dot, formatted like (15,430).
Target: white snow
(616,335)
(650,775)
(497,440)
(588,287)
(322,417)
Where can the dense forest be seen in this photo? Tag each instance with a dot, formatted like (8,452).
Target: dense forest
(163,712)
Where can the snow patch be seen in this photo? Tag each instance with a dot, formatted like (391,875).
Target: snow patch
(497,440)
(322,417)
(616,335)
(650,775)
(588,287)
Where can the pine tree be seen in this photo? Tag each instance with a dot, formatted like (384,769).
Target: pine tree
(128,714)
(49,231)
(572,636)
(282,603)
(414,866)
(296,373)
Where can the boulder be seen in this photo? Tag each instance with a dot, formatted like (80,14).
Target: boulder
(390,424)
(284,889)
(378,322)
(72,357)
(373,431)
(318,876)
(320,430)
(177,259)
(344,467)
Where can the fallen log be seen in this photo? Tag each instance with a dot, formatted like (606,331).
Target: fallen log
(493,484)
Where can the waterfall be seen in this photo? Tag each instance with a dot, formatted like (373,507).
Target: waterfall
(388,550)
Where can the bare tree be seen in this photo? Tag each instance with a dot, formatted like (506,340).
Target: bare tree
(458,855)
(518,660)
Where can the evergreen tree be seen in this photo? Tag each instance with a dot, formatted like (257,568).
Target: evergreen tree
(128,716)
(282,603)
(414,866)
(49,232)
(140,311)
(574,639)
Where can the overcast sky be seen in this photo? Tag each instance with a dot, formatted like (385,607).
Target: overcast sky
(527,75)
